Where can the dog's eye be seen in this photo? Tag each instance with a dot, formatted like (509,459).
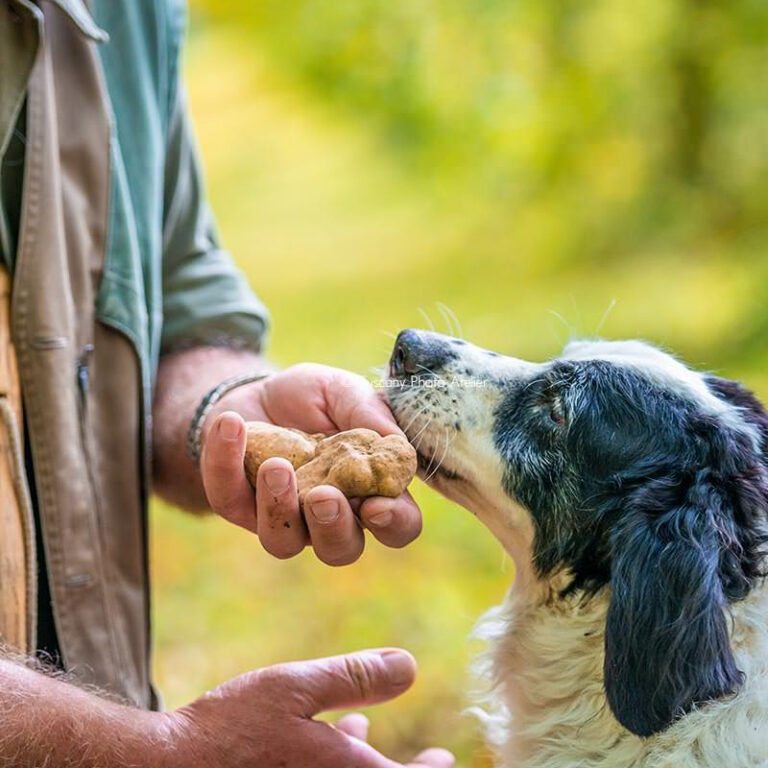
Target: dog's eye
(556,410)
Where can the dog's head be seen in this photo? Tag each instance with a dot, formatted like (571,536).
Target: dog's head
(616,466)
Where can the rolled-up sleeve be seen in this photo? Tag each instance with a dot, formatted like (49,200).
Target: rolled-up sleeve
(206,299)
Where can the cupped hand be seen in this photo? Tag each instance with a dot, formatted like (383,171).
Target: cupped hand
(313,398)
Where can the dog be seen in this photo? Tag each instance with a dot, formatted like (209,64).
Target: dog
(632,494)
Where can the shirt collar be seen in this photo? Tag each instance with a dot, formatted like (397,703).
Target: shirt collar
(81,17)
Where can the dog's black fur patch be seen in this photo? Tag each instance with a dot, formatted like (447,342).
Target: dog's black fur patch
(636,488)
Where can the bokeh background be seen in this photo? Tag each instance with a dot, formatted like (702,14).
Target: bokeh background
(546,169)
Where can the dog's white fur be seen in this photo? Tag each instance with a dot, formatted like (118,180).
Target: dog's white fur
(548,708)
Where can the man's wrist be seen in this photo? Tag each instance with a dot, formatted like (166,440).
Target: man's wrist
(208,404)
(47,721)
(246,400)
(182,380)
(166,746)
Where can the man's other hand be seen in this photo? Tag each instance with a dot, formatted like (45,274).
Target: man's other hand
(265,718)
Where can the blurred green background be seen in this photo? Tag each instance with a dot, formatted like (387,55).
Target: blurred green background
(544,168)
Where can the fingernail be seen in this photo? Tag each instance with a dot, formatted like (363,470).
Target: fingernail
(325,511)
(229,428)
(436,757)
(401,668)
(381,519)
(277,480)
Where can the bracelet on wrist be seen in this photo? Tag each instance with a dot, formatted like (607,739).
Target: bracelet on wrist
(193,442)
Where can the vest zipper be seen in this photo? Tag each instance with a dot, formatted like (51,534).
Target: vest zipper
(83,381)
(83,376)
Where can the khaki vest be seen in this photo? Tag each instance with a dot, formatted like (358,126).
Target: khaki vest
(80,380)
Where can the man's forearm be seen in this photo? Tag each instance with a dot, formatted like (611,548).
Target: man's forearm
(47,722)
(184,378)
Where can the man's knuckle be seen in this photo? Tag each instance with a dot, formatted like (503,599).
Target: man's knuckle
(284,687)
(269,680)
(361,675)
(308,370)
(277,510)
(220,462)
(227,507)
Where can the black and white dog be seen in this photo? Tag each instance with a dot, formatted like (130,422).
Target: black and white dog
(632,493)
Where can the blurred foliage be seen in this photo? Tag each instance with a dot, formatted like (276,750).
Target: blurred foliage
(628,124)
(544,168)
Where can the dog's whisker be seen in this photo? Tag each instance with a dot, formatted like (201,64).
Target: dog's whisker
(569,330)
(424,369)
(417,445)
(443,310)
(427,319)
(429,466)
(389,334)
(413,419)
(447,437)
(458,333)
(448,443)
(605,316)
(421,431)
(427,473)
(562,319)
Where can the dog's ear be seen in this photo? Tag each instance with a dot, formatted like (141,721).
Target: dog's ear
(687,543)
(750,408)
(666,640)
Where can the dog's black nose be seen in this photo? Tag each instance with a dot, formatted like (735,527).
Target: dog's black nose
(418,354)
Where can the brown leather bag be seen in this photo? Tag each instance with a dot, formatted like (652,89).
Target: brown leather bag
(16,534)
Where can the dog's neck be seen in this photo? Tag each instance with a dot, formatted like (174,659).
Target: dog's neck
(550,705)
(547,662)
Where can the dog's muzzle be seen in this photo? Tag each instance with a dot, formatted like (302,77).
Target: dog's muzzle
(418,356)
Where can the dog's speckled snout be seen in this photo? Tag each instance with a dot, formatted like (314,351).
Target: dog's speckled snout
(418,354)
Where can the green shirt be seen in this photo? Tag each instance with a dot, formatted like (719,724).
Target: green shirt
(167,283)
(115,260)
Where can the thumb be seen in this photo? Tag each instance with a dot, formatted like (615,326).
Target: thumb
(228,491)
(345,682)
(352,402)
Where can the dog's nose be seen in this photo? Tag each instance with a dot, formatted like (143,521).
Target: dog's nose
(417,354)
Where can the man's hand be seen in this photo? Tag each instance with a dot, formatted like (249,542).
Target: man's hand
(313,398)
(260,720)
(265,718)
